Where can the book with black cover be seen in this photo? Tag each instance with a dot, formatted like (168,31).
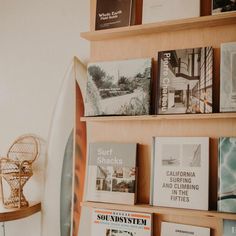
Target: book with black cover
(185,81)
(180,172)
(112,172)
(119,87)
(113,14)
(227,175)
(222,6)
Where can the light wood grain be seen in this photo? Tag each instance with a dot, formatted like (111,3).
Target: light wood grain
(15,214)
(165,26)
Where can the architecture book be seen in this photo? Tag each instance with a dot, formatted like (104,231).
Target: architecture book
(180,172)
(111,172)
(223,6)
(227,175)
(120,223)
(173,229)
(228,77)
(113,14)
(229,227)
(118,87)
(184,81)
(163,10)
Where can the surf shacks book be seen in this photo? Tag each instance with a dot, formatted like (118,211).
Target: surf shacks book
(227,175)
(118,87)
(223,6)
(173,229)
(163,10)
(228,77)
(120,223)
(184,81)
(113,14)
(229,227)
(112,172)
(180,172)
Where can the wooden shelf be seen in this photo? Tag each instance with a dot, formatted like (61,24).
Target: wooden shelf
(15,214)
(165,26)
(161,117)
(160,210)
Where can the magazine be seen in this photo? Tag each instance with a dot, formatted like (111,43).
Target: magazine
(180,172)
(185,81)
(229,227)
(112,172)
(120,223)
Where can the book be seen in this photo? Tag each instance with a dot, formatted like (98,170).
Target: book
(227,175)
(163,10)
(228,77)
(120,223)
(173,229)
(185,81)
(180,172)
(119,87)
(113,14)
(229,227)
(222,6)
(112,172)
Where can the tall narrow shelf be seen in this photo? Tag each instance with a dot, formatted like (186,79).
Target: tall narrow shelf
(142,41)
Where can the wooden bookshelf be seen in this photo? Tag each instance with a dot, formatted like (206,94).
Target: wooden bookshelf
(160,210)
(15,214)
(165,26)
(144,41)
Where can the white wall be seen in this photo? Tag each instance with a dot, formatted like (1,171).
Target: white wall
(38,40)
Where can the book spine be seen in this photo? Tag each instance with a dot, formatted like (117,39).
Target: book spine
(152,163)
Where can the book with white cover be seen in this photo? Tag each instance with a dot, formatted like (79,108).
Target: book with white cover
(173,229)
(120,223)
(228,77)
(180,172)
(229,227)
(111,172)
(162,10)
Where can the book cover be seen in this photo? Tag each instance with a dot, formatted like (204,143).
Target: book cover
(181,172)
(113,14)
(222,6)
(163,10)
(227,175)
(184,81)
(118,87)
(120,223)
(173,229)
(229,227)
(111,172)
(228,77)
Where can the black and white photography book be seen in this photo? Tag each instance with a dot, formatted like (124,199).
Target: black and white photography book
(118,87)
(185,81)
(111,172)
(113,14)
(120,223)
(223,6)
(180,172)
(228,77)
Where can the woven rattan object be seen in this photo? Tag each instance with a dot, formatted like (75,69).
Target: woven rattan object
(16,169)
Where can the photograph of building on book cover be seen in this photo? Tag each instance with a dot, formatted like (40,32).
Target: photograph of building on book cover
(115,179)
(185,79)
(115,232)
(118,88)
(220,6)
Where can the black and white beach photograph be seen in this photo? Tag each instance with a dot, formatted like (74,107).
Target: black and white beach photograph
(103,180)
(185,81)
(118,88)
(191,155)
(171,154)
